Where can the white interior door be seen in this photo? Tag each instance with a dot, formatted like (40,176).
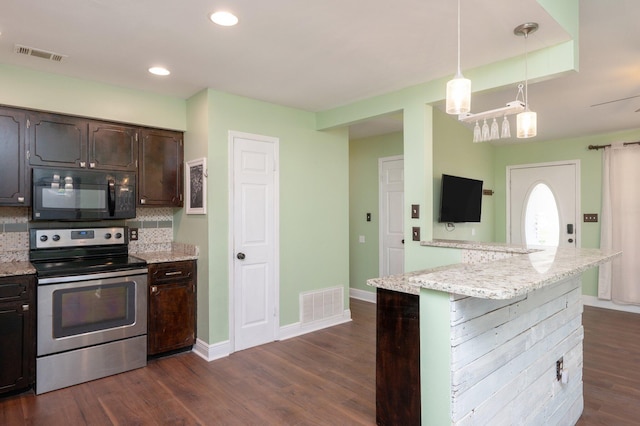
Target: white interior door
(391,196)
(543,204)
(255,244)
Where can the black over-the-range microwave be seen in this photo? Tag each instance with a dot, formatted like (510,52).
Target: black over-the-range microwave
(67,194)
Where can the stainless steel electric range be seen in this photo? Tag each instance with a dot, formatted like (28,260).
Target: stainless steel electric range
(91,305)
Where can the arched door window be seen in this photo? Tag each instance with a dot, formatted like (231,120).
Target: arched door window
(542,218)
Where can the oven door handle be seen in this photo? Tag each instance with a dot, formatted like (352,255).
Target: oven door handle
(111,197)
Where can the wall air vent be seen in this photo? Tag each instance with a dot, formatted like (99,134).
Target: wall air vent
(38,53)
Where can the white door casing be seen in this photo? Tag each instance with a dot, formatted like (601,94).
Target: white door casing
(563,179)
(254,273)
(391,211)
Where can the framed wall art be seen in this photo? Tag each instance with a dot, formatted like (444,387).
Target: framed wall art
(196,183)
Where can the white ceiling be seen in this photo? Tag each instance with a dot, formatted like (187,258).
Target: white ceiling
(319,54)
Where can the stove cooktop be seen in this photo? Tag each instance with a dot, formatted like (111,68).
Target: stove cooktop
(60,252)
(82,266)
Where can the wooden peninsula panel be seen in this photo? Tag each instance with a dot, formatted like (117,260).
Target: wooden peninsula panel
(397,358)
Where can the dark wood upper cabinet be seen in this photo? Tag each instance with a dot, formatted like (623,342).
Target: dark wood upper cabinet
(14,188)
(57,140)
(113,146)
(160,169)
(34,138)
(172,306)
(64,141)
(17,329)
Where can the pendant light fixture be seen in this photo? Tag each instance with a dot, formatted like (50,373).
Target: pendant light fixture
(458,88)
(526,121)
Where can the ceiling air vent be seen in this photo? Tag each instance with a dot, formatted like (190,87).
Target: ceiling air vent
(38,53)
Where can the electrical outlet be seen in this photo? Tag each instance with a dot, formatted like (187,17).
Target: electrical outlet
(133,234)
(559,368)
(590,217)
(415,232)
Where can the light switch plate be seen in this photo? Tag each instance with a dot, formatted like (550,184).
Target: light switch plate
(415,233)
(590,217)
(415,211)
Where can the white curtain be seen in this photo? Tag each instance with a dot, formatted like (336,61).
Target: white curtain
(619,280)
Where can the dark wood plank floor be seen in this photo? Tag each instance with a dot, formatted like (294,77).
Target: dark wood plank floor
(322,378)
(611,372)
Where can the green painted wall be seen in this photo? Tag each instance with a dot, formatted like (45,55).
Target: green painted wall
(194,229)
(454,153)
(590,182)
(363,198)
(314,217)
(24,88)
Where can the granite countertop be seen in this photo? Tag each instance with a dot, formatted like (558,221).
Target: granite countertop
(177,253)
(500,279)
(18,264)
(476,245)
(9,269)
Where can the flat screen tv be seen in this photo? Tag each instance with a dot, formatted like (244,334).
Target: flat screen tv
(460,199)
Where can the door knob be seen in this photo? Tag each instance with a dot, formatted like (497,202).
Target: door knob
(570,240)
(240,256)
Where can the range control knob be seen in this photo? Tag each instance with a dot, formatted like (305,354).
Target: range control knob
(107,236)
(56,237)
(118,235)
(43,238)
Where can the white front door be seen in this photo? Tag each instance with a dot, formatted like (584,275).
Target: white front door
(254,219)
(543,204)
(391,196)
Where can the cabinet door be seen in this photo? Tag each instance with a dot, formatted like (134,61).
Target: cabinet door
(13,160)
(160,176)
(171,316)
(57,140)
(112,147)
(17,333)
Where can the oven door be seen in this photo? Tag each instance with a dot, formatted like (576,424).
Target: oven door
(79,311)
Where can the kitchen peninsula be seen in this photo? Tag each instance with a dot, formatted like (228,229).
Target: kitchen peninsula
(496,338)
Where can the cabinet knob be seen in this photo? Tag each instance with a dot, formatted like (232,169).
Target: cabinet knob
(154,289)
(21,199)
(83,164)
(92,165)
(25,308)
(143,201)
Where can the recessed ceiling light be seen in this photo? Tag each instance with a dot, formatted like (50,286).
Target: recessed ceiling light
(159,71)
(226,19)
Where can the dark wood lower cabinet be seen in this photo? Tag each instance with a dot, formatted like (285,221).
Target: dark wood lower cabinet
(172,307)
(397,358)
(17,332)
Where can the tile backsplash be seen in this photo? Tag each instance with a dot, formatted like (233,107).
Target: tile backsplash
(155,231)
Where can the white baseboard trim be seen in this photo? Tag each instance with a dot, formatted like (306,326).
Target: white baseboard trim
(367,296)
(607,304)
(223,349)
(298,329)
(212,352)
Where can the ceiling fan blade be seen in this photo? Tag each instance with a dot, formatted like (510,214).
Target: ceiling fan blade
(616,100)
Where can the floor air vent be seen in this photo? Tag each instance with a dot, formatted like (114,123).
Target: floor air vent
(321,304)
(38,53)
